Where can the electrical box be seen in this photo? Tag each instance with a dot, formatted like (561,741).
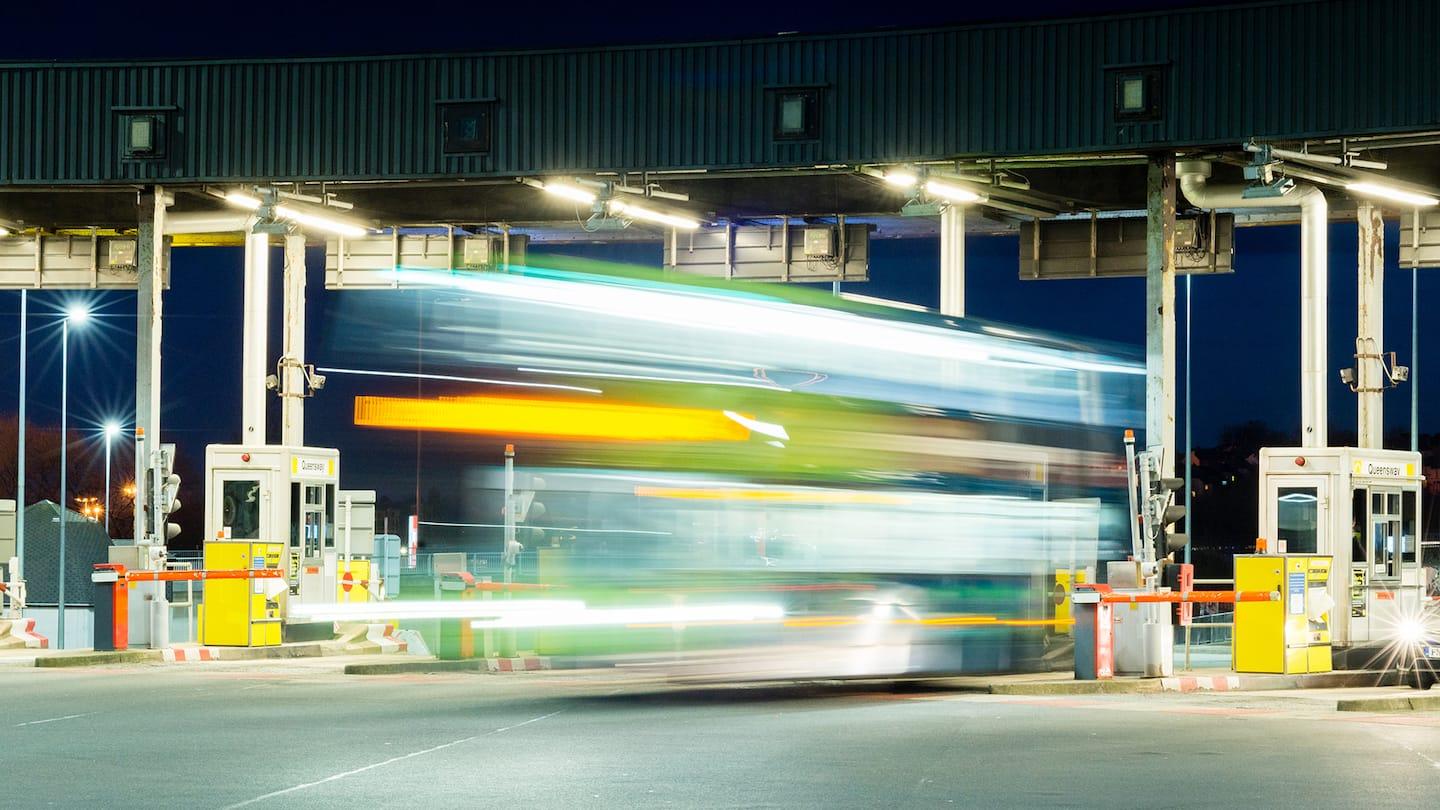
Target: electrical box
(242,612)
(284,495)
(6,535)
(476,252)
(385,564)
(355,529)
(1291,635)
(120,253)
(820,242)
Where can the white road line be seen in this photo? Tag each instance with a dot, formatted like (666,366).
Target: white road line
(390,761)
(54,719)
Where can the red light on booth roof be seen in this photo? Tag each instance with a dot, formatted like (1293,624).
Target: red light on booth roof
(245,457)
(1299,461)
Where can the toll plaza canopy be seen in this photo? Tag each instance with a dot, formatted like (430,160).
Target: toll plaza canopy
(1056,115)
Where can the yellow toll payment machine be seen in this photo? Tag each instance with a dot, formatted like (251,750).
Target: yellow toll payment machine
(242,612)
(281,495)
(1360,507)
(1291,635)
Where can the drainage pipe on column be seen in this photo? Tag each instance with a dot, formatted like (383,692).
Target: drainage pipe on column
(1314,221)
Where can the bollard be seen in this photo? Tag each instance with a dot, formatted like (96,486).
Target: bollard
(456,637)
(1094,634)
(112,607)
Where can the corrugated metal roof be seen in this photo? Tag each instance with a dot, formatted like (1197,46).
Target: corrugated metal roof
(1286,70)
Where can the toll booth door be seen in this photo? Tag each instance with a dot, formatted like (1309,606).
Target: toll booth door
(1297,512)
(242,510)
(1391,565)
(1299,509)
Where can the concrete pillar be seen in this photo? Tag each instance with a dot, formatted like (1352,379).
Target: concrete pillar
(292,401)
(1369,334)
(151,258)
(952,261)
(1314,317)
(255,346)
(1160,309)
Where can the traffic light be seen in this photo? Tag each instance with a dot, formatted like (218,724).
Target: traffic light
(167,493)
(1165,513)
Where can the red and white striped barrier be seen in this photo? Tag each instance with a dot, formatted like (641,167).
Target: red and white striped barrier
(384,636)
(530,663)
(186,655)
(369,638)
(21,633)
(1210,683)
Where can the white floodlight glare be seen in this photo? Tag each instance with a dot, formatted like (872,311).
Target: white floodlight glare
(1392,193)
(317,222)
(4,231)
(569,192)
(901,178)
(637,212)
(1410,632)
(951,192)
(112,429)
(243,200)
(77,314)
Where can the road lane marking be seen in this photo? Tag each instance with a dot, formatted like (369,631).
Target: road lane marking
(390,761)
(54,719)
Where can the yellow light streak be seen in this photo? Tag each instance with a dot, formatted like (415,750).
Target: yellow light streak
(550,419)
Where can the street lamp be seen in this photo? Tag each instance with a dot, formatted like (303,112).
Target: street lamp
(77,314)
(112,429)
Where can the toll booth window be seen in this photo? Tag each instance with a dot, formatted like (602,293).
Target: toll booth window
(1384,536)
(330,516)
(240,509)
(1408,548)
(1296,519)
(1358,522)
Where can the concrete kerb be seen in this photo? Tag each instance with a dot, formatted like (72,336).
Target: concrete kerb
(422,666)
(98,658)
(1193,683)
(1416,703)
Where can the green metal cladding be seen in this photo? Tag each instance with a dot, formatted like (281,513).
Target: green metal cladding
(1283,70)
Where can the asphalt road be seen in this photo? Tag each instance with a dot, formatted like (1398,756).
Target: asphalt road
(300,734)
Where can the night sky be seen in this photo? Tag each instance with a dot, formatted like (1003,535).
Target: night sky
(1246,353)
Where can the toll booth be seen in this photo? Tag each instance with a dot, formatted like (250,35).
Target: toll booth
(282,495)
(1361,508)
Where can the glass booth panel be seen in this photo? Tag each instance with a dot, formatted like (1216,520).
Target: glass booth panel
(1297,512)
(240,508)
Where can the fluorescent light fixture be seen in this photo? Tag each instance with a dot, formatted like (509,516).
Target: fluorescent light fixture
(77,314)
(320,223)
(569,192)
(951,192)
(1392,193)
(242,200)
(901,178)
(637,212)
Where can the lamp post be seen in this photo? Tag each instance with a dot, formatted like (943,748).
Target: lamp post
(77,314)
(20,451)
(112,429)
